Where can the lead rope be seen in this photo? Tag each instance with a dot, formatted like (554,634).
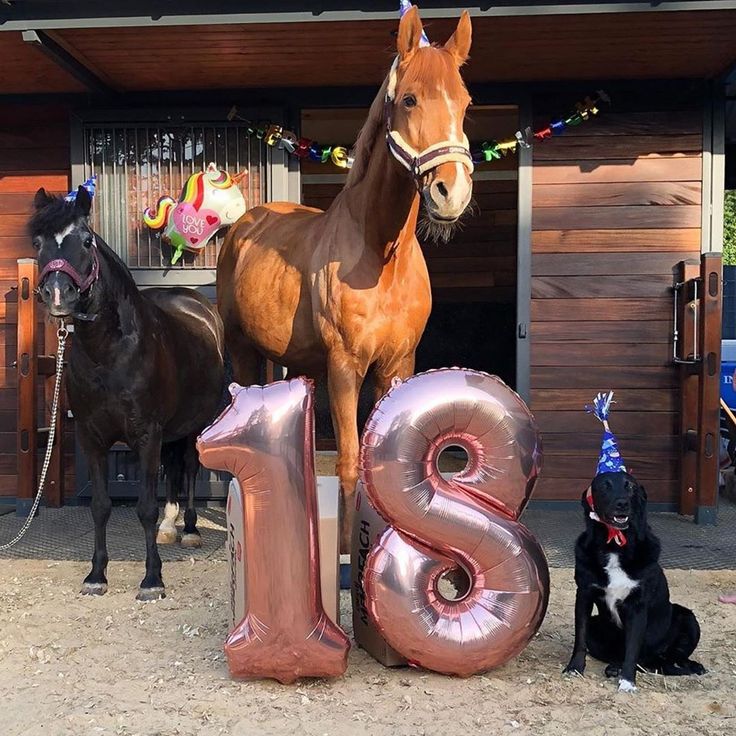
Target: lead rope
(61,334)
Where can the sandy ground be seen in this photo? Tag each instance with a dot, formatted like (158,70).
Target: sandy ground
(76,665)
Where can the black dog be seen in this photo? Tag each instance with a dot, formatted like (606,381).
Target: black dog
(617,568)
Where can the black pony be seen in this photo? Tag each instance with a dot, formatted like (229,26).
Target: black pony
(144,367)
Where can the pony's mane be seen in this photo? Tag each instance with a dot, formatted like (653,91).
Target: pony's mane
(53,218)
(432,62)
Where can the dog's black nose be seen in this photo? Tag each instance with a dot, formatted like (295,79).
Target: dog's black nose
(622,506)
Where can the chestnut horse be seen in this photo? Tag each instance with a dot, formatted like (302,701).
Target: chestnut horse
(341,291)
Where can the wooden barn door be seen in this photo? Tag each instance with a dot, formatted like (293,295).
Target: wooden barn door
(616,205)
(136,162)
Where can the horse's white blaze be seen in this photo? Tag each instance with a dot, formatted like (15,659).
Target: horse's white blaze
(59,237)
(56,296)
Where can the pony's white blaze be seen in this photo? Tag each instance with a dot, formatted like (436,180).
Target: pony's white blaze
(56,296)
(59,237)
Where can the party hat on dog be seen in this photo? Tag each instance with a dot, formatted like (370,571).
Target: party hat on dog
(610,459)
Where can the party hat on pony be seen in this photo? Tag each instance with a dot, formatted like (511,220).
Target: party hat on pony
(610,459)
(89,185)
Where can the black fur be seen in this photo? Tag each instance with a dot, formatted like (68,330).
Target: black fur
(654,634)
(144,367)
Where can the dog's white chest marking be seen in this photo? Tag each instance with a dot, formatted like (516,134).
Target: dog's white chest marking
(619,586)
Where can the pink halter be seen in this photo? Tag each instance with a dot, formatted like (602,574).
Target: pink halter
(61,265)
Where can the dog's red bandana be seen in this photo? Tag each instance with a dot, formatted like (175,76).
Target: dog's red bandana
(614,535)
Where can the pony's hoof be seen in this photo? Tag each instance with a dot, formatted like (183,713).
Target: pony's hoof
(150,594)
(93,589)
(191,540)
(166,535)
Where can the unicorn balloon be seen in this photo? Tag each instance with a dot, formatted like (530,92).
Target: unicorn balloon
(209,201)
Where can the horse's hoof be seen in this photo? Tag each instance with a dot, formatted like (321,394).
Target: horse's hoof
(93,589)
(150,594)
(166,535)
(191,540)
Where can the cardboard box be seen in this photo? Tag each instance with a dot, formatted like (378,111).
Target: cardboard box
(368,527)
(327,504)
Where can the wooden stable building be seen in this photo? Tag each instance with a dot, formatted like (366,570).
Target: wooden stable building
(562,280)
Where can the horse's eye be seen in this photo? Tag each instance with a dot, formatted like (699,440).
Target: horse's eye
(409,101)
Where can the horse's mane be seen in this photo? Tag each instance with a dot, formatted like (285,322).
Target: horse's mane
(372,128)
(53,218)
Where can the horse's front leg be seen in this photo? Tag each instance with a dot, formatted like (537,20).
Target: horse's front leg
(96,582)
(149,453)
(344,382)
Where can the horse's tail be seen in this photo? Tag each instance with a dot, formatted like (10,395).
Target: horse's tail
(156,218)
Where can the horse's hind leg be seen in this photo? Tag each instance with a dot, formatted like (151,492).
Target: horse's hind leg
(96,582)
(190,536)
(172,458)
(149,453)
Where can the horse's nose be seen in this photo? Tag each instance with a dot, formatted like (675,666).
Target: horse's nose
(450,191)
(56,291)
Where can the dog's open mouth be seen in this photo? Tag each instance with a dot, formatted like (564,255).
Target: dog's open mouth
(620,522)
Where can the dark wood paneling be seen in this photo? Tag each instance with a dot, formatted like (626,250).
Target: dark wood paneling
(618,241)
(625,148)
(632,399)
(589,445)
(688,168)
(562,287)
(649,423)
(658,491)
(615,218)
(594,378)
(617,194)
(603,264)
(581,310)
(583,354)
(644,468)
(597,333)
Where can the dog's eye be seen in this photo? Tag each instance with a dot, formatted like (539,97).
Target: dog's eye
(409,101)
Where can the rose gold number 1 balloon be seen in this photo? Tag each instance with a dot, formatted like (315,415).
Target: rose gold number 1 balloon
(469,522)
(266,439)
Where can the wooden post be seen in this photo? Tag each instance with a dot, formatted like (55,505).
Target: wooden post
(687,343)
(709,390)
(54,491)
(27,368)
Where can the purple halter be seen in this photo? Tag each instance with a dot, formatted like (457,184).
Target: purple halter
(61,265)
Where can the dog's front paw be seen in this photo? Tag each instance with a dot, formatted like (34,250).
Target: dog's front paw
(626,686)
(576,667)
(696,668)
(613,670)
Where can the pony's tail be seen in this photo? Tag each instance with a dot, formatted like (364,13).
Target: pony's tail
(156,218)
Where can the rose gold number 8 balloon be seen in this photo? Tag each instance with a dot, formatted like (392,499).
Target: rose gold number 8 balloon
(469,521)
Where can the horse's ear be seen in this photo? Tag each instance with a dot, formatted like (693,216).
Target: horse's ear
(410,32)
(83,202)
(459,43)
(41,199)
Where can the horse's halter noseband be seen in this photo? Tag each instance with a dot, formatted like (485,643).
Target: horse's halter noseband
(418,163)
(61,265)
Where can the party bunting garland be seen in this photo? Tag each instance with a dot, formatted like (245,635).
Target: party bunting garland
(278,136)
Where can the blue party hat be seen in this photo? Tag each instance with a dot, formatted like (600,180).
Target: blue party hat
(405,7)
(89,185)
(610,459)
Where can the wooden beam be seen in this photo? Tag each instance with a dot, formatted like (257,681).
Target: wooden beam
(27,368)
(709,390)
(689,381)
